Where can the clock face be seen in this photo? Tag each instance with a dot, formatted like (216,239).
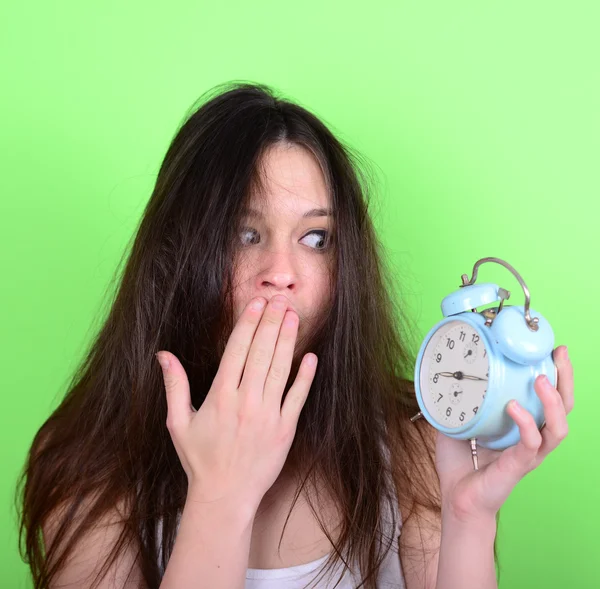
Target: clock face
(454,374)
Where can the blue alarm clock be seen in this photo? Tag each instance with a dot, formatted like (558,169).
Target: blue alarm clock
(471,364)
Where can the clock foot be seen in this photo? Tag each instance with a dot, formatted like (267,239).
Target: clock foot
(417,416)
(474,453)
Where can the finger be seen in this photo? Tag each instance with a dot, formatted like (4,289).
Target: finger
(499,477)
(238,345)
(261,351)
(565,377)
(282,360)
(555,415)
(516,461)
(298,393)
(179,404)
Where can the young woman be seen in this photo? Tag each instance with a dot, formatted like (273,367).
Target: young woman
(274,448)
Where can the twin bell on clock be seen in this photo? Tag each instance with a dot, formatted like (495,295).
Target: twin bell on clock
(472,363)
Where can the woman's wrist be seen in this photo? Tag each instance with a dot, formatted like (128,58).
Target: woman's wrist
(234,508)
(462,517)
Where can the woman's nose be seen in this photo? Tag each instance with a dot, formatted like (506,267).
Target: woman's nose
(278,280)
(278,271)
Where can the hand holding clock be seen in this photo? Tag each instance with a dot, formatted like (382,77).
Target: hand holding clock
(473,494)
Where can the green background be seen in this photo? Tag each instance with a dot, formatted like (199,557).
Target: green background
(481,120)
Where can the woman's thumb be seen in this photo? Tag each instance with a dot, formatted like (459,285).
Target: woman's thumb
(179,402)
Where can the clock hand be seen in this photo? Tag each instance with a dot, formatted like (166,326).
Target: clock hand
(473,377)
(459,375)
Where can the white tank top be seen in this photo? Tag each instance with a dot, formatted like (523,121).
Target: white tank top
(300,576)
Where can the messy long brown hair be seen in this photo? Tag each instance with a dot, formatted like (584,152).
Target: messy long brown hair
(107,442)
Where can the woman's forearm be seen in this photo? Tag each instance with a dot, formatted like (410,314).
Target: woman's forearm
(211,548)
(466,559)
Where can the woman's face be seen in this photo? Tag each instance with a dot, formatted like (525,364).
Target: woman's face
(282,251)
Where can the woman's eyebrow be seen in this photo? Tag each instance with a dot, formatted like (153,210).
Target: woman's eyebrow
(319,212)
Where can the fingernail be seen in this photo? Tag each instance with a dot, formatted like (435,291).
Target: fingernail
(515,405)
(278,303)
(258,304)
(566,353)
(162,360)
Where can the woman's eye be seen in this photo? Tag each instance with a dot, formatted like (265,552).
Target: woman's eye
(319,244)
(322,239)
(246,232)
